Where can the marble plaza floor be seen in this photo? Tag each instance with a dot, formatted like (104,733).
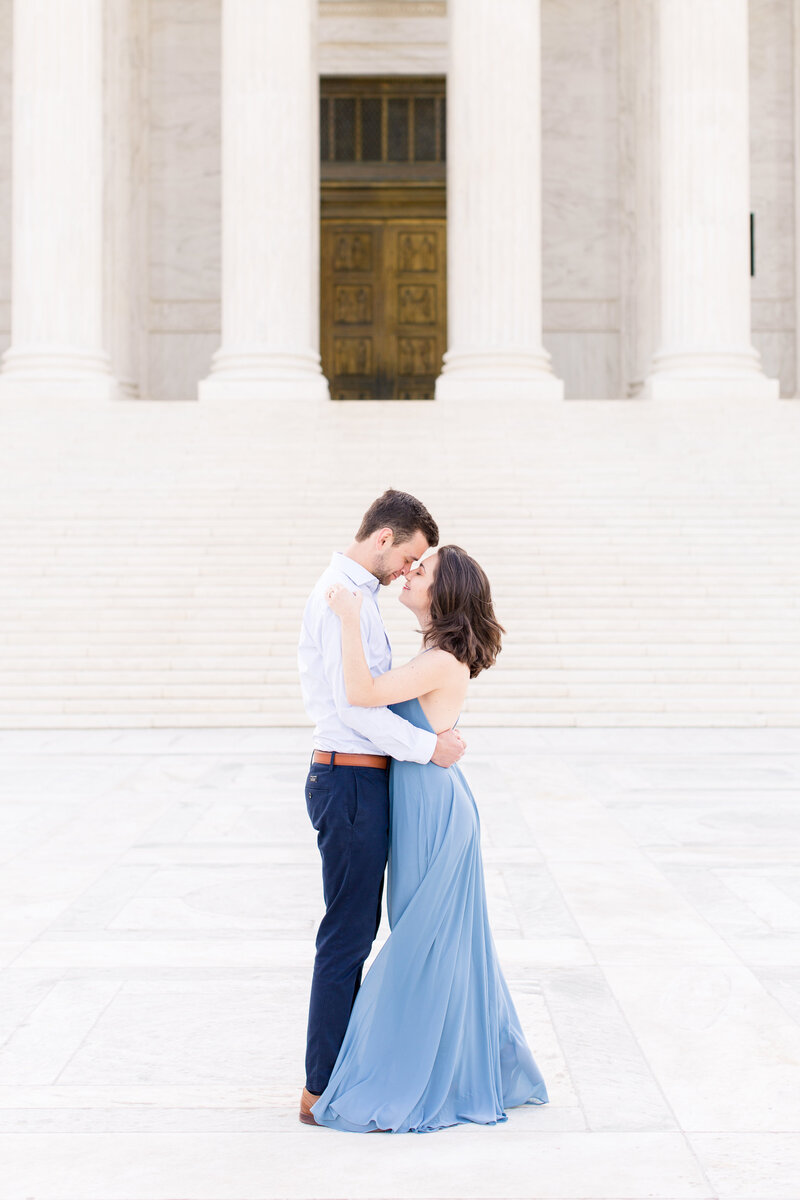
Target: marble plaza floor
(159,893)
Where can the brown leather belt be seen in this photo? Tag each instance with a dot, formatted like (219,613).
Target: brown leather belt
(337,759)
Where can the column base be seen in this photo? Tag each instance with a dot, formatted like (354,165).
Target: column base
(21,389)
(56,373)
(216,388)
(459,390)
(701,387)
(483,375)
(247,374)
(725,373)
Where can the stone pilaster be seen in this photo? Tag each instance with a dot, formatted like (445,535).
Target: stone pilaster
(796,56)
(494,205)
(638,155)
(125,154)
(270,205)
(57,344)
(705,349)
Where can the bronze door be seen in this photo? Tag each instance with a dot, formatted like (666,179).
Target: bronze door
(383,206)
(383,307)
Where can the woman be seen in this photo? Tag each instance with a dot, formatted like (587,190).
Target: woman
(433,1039)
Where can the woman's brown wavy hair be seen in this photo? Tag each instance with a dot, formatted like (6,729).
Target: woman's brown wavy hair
(462,618)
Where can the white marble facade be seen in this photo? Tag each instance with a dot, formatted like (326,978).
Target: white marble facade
(599,317)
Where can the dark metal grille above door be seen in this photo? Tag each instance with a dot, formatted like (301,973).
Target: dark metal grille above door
(382,121)
(383,244)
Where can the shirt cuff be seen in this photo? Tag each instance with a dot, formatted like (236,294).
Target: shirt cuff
(429,744)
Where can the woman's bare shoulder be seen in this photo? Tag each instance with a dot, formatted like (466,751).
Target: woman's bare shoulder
(447,663)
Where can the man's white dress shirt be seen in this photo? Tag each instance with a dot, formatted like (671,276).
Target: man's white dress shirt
(339,725)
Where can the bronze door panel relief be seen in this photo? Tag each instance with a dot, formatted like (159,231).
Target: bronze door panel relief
(353,252)
(416,252)
(352,305)
(383,307)
(416,271)
(351,318)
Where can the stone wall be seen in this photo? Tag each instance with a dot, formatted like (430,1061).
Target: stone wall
(581,194)
(183,57)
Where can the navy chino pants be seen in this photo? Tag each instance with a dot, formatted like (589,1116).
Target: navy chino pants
(349,808)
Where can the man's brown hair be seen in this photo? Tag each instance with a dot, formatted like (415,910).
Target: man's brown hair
(401,513)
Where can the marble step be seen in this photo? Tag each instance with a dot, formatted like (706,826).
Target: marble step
(532,703)
(238,657)
(630,639)
(154,560)
(166,590)
(122,672)
(653,579)
(249,720)
(484,693)
(284,616)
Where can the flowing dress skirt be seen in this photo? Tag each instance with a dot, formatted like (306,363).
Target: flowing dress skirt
(433,1039)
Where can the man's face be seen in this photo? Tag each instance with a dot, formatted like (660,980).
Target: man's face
(392,560)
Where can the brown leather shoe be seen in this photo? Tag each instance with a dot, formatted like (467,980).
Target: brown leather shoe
(306,1100)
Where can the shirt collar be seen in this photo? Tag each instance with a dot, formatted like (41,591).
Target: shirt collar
(355,572)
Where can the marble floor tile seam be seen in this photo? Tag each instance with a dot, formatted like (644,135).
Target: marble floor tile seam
(744,857)
(721,856)
(150,1097)
(179,935)
(269,939)
(623,1018)
(727,945)
(122,1097)
(298,964)
(743,800)
(268,1117)
(104,866)
(711,935)
(715,937)
(525,1165)
(281,1117)
(87,1033)
(791,1018)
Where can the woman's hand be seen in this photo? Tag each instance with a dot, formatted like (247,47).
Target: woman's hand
(343,601)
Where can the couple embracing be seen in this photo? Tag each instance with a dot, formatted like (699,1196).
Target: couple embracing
(431,1038)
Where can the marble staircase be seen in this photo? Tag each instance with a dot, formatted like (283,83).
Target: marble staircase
(154,558)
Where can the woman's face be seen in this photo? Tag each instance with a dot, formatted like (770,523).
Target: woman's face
(415,590)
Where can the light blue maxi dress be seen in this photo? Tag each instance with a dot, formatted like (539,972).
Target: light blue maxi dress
(433,1039)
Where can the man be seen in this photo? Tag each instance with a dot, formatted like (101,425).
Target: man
(347,789)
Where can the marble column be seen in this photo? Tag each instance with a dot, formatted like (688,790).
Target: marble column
(57,345)
(494,206)
(270,205)
(705,349)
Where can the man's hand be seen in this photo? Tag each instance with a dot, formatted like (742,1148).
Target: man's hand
(449,747)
